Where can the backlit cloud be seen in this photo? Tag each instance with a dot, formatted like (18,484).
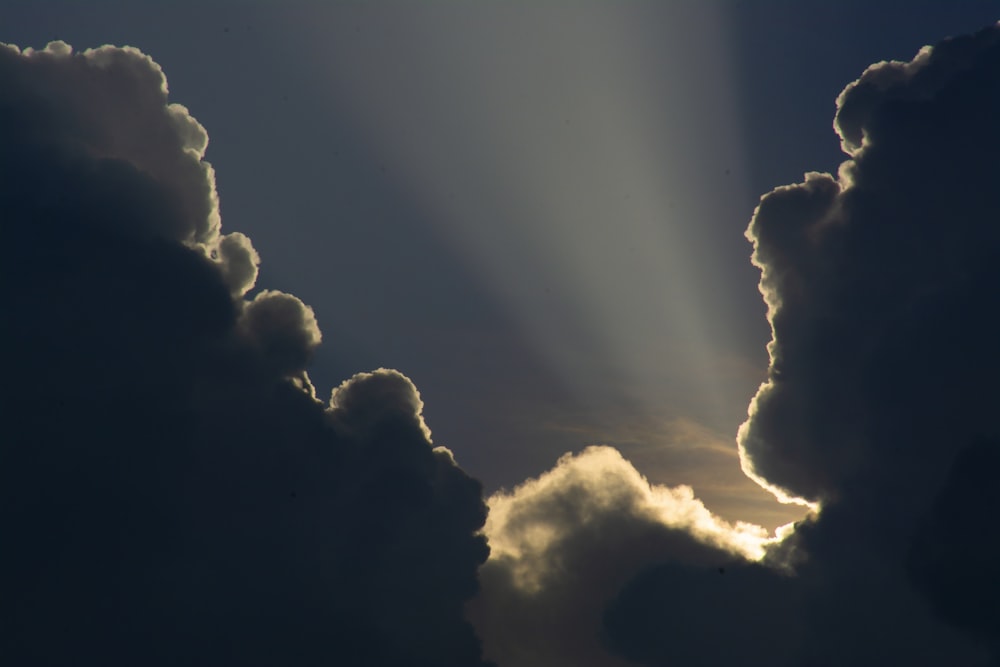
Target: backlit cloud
(881,284)
(171,491)
(564,544)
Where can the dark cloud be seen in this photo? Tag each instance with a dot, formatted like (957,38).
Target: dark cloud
(111,103)
(171,491)
(282,329)
(676,614)
(880,282)
(953,558)
(882,285)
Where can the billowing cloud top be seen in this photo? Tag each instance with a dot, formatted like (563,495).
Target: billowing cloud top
(171,491)
(565,544)
(878,283)
(882,285)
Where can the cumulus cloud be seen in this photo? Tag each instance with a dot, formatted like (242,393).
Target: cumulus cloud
(239,262)
(368,401)
(564,544)
(110,104)
(879,281)
(171,491)
(882,284)
(592,488)
(283,329)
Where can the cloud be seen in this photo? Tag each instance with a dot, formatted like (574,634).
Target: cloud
(564,544)
(676,614)
(282,329)
(111,103)
(238,261)
(881,284)
(952,560)
(171,490)
(877,280)
(681,452)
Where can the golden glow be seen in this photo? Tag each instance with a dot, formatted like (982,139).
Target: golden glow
(599,491)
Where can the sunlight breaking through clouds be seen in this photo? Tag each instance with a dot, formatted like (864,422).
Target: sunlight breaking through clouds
(195,498)
(591,490)
(565,545)
(572,181)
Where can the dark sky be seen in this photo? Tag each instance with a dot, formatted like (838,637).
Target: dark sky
(535,215)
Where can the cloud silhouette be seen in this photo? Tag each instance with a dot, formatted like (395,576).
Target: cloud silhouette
(282,329)
(881,284)
(878,276)
(676,614)
(171,491)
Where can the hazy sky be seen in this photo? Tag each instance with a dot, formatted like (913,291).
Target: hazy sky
(535,213)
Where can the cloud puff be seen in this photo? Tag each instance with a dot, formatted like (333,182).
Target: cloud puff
(367,401)
(171,491)
(239,262)
(564,544)
(282,329)
(111,103)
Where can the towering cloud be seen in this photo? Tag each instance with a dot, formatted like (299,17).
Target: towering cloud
(880,284)
(883,285)
(171,491)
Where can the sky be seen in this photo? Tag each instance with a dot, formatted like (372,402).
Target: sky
(493,333)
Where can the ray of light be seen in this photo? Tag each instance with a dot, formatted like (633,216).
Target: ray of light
(571,153)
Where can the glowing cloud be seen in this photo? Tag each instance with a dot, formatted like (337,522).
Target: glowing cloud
(564,544)
(528,525)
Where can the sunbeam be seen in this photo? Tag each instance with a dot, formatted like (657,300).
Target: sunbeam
(571,172)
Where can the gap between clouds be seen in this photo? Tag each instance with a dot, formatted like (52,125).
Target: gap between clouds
(198,416)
